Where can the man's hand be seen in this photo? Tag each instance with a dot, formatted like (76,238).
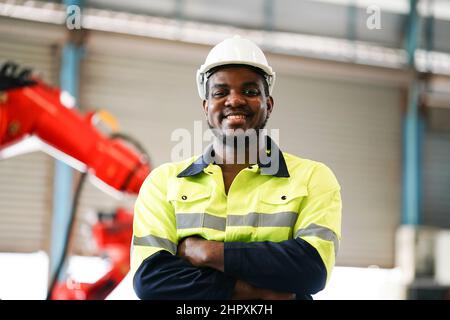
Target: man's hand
(202,253)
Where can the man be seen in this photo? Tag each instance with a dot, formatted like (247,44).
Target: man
(213,227)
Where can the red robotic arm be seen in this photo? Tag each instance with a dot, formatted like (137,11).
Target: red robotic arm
(33,108)
(28,107)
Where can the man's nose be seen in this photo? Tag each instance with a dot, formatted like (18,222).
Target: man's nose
(235,99)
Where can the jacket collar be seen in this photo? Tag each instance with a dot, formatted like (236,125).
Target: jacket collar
(275,166)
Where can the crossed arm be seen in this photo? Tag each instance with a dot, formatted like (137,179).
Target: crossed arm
(205,269)
(204,253)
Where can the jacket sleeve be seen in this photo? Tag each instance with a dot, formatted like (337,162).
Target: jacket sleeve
(303,264)
(287,266)
(164,276)
(157,272)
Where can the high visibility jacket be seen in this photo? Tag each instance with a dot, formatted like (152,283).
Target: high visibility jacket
(300,200)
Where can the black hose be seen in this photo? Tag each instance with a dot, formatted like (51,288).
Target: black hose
(137,144)
(63,256)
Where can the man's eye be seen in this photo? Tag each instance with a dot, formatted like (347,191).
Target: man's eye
(218,93)
(252,92)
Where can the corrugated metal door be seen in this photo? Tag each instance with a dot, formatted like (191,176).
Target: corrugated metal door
(436,171)
(355,129)
(26,180)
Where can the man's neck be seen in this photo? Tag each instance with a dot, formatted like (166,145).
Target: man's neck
(232,157)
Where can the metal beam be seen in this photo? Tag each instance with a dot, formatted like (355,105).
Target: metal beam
(63,177)
(413,127)
(179,8)
(429,31)
(352,12)
(412,32)
(268,15)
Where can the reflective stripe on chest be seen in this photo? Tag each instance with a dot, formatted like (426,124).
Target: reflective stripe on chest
(265,212)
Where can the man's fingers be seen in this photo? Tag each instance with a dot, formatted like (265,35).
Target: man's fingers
(181,250)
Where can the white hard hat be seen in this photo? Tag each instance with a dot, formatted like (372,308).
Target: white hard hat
(235,50)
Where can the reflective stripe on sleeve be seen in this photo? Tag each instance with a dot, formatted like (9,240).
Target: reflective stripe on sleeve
(321,232)
(154,241)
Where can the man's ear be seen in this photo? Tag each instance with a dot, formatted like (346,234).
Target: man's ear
(269,103)
(205,107)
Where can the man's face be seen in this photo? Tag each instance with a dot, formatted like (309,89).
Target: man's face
(236,100)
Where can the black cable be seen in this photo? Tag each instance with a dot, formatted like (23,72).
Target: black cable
(63,256)
(137,144)
(137,165)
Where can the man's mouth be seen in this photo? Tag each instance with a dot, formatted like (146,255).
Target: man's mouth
(236,118)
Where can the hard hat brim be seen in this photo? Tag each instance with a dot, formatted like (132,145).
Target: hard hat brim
(204,69)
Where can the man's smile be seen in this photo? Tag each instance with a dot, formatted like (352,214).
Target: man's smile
(236,118)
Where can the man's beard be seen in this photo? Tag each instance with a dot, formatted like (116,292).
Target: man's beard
(231,140)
